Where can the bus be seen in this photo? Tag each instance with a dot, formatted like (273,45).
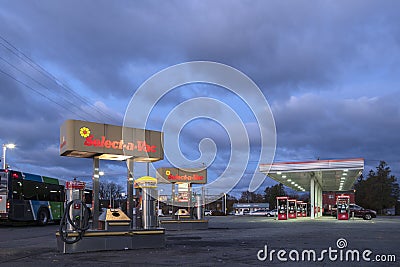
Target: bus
(26,197)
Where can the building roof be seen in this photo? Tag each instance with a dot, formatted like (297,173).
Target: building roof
(251,205)
(332,175)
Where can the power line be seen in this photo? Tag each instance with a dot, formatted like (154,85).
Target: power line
(41,84)
(47,74)
(38,92)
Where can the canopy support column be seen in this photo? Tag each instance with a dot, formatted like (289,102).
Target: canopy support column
(312,198)
(96,190)
(129,204)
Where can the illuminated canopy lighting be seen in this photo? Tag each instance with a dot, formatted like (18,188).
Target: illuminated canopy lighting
(327,173)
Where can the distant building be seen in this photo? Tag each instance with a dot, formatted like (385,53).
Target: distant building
(241,208)
(329,199)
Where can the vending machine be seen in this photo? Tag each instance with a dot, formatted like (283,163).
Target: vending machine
(292,208)
(343,207)
(282,207)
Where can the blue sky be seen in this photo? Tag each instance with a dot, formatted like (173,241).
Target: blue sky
(329,72)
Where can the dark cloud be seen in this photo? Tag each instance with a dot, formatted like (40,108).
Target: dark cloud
(329,70)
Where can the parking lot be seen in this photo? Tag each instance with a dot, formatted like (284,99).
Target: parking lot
(230,241)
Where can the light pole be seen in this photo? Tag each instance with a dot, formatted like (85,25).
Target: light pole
(158,202)
(3,158)
(225,203)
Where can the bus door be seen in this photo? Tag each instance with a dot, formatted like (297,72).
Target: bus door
(11,205)
(3,193)
(18,206)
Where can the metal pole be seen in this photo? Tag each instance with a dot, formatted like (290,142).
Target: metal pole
(173,199)
(189,198)
(3,158)
(96,189)
(129,191)
(225,204)
(203,195)
(158,202)
(312,197)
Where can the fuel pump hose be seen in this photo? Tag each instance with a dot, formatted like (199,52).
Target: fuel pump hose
(79,227)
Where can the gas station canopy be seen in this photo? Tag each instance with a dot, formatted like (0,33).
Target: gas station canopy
(331,175)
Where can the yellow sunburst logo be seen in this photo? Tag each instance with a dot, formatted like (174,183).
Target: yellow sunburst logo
(84,132)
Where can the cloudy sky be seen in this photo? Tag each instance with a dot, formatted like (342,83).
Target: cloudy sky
(329,71)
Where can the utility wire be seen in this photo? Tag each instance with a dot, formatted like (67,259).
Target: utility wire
(41,84)
(47,74)
(38,92)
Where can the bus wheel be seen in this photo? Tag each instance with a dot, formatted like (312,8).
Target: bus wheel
(43,217)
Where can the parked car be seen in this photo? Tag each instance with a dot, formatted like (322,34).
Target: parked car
(258,213)
(272,213)
(358,212)
(207,213)
(242,212)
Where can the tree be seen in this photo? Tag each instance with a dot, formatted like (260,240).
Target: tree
(379,191)
(270,194)
(252,197)
(110,190)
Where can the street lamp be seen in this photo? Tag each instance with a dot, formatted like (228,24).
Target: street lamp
(3,158)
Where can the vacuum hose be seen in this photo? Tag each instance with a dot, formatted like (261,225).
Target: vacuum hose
(78,227)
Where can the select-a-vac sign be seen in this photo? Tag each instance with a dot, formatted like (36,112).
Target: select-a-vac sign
(176,175)
(89,139)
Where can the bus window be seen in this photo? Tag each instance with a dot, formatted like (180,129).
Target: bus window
(55,192)
(31,190)
(17,189)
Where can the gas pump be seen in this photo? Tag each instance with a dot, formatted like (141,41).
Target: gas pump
(292,208)
(343,207)
(299,208)
(75,220)
(282,207)
(304,209)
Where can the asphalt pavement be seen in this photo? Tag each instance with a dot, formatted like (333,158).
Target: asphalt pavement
(229,241)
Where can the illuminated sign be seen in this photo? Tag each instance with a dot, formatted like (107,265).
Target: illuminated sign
(175,175)
(88,139)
